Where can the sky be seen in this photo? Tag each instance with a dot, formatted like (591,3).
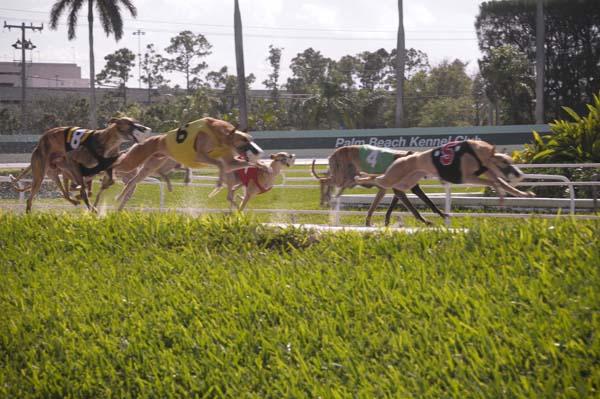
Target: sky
(444,29)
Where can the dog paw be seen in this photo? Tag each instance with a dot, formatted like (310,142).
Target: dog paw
(530,194)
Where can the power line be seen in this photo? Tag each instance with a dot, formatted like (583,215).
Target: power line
(193,23)
(294,37)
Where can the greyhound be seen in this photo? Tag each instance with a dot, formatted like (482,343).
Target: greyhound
(77,153)
(456,162)
(255,181)
(347,162)
(204,141)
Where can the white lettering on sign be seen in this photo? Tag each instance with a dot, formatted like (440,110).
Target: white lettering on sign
(403,141)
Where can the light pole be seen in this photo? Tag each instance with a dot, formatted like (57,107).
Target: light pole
(139,33)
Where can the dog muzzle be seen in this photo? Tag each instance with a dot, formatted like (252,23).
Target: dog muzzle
(291,161)
(251,151)
(140,132)
(512,174)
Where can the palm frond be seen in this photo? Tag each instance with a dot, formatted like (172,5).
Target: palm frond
(72,20)
(104,16)
(56,12)
(129,5)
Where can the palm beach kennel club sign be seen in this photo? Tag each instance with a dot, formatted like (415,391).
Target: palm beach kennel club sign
(322,142)
(403,141)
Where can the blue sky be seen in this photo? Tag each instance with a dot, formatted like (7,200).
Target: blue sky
(441,28)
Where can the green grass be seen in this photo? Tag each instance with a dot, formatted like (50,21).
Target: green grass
(161,305)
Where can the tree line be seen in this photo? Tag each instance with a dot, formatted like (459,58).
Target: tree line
(360,90)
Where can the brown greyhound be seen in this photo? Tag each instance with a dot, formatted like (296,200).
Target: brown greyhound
(77,153)
(456,162)
(204,141)
(347,162)
(255,181)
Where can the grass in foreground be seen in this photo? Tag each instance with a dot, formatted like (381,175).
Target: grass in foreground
(163,305)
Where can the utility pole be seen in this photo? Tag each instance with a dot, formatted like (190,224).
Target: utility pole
(23,45)
(139,34)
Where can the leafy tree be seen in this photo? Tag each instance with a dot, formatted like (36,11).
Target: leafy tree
(309,68)
(153,65)
(111,21)
(448,80)
(572,45)
(272,83)
(227,92)
(509,83)
(188,49)
(374,69)
(447,111)
(117,70)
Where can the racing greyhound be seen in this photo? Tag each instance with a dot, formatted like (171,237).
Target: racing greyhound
(456,162)
(347,162)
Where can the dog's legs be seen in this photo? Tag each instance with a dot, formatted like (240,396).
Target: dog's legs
(499,184)
(167,180)
(127,192)
(80,181)
(244,202)
(421,194)
(402,197)
(106,183)
(64,188)
(231,197)
(507,187)
(146,170)
(38,171)
(376,201)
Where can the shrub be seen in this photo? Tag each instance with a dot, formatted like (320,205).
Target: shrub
(571,142)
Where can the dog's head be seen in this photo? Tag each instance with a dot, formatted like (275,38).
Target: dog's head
(503,165)
(284,158)
(242,142)
(128,128)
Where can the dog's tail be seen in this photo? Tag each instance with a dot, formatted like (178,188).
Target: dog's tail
(15,180)
(324,178)
(138,154)
(365,177)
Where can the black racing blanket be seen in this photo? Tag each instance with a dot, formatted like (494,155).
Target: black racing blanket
(447,161)
(95,148)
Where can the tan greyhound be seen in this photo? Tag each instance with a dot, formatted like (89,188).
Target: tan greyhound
(255,181)
(77,153)
(350,161)
(204,141)
(456,162)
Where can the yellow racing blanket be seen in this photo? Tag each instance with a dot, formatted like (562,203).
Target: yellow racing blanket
(181,144)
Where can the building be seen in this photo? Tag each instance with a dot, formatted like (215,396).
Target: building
(42,74)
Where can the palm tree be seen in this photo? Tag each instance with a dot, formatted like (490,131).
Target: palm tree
(239,61)
(400,64)
(539,62)
(111,21)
